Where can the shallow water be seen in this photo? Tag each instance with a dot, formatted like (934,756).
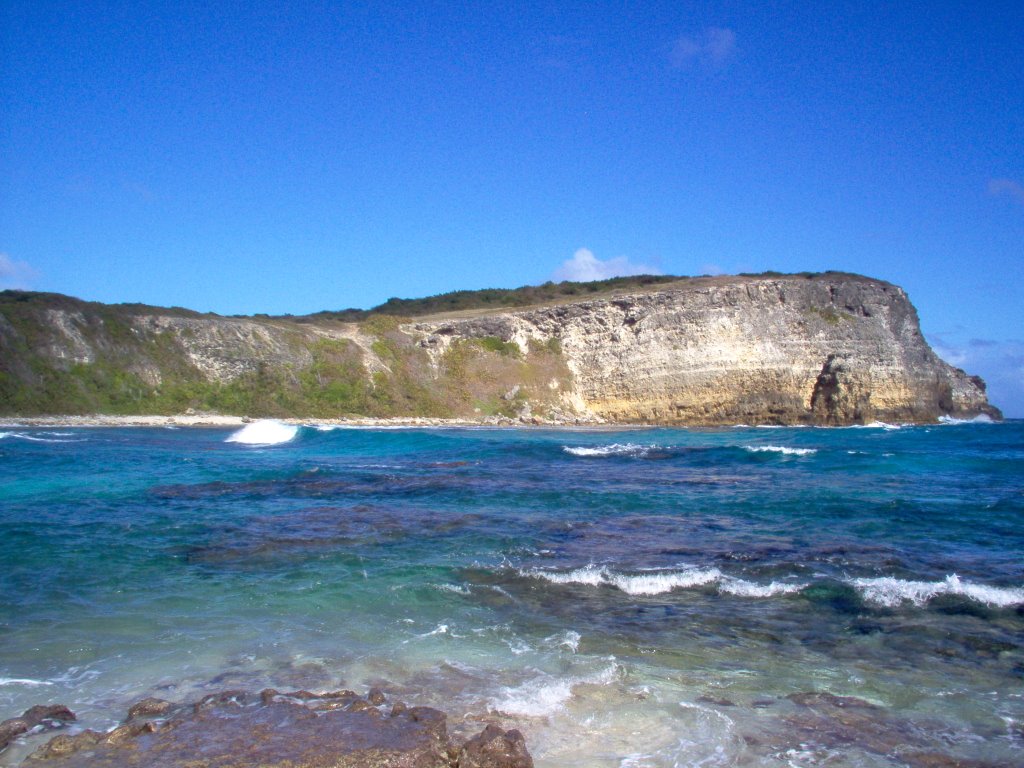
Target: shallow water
(631,598)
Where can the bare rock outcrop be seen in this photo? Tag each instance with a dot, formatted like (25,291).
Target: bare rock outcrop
(828,349)
(235,729)
(822,349)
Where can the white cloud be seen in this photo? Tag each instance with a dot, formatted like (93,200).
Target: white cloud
(15,274)
(712,49)
(585,266)
(1007,187)
(999,362)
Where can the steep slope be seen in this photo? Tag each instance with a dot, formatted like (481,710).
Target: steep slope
(827,349)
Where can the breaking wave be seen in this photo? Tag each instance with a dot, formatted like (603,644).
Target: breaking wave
(891,592)
(38,439)
(885,591)
(264,432)
(981,418)
(660,582)
(546,694)
(615,449)
(781,449)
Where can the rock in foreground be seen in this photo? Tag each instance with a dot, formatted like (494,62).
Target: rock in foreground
(274,730)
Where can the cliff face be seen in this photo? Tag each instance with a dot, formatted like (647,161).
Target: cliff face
(826,349)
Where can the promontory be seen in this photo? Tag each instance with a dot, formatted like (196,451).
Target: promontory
(828,348)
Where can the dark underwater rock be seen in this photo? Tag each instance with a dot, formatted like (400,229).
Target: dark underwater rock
(236,729)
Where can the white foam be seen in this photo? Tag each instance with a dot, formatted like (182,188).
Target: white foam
(37,439)
(615,449)
(981,418)
(781,449)
(264,432)
(23,681)
(568,639)
(878,425)
(742,588)
(660,582)
(546,694)
(892,592)
(590,575)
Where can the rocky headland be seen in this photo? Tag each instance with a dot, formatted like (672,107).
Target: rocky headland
(828,349)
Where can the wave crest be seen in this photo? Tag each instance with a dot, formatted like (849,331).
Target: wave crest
(781,449)
(892,592)
(981,418)
(660,582)
(615,449)
(264,432)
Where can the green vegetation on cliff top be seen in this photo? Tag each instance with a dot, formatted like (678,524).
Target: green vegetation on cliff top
(61,355)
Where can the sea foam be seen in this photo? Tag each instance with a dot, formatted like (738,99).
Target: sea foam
(781,449)
(264,432)
(23,681)
(615,449)
(546,694)
(892,592)
(660,582)
(981,418)
(37,439)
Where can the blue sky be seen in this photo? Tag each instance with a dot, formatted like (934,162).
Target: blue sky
(258,157)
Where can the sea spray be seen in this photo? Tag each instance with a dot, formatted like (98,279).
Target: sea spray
(264,432)
(891,592)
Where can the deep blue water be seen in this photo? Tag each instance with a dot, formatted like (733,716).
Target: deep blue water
(646,597)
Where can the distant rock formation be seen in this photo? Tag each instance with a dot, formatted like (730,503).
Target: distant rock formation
(781,350)
(829,349)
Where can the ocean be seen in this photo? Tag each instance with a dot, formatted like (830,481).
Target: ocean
(625,597)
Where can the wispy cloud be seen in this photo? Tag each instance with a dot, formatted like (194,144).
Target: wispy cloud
(1007,187)
(999,362)
(713,48)
(15,274)
(585,266)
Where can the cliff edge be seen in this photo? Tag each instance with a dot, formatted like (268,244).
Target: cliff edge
(827,349)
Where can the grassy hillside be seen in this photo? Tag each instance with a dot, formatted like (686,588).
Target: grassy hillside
(60,355)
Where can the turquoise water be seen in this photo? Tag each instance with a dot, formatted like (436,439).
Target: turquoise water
(645,597)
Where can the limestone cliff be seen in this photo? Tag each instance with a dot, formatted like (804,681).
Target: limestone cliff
(824,349)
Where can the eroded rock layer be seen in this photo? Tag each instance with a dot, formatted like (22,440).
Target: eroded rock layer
(822,349)
(817,349)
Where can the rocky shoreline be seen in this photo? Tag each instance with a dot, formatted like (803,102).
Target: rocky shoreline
(220,420)
(829,349)
(271,729)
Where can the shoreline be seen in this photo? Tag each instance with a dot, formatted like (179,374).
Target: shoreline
(221,420)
